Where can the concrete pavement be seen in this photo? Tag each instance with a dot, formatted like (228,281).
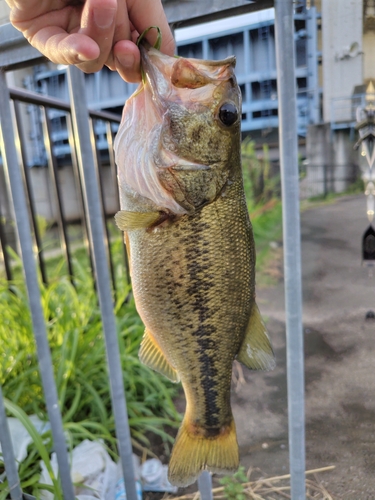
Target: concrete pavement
(339,357)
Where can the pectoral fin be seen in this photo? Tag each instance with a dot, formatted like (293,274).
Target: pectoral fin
(136,220)
(151,355)
(256,351)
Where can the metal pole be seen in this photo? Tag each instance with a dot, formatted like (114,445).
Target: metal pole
(95,219)
(78,183)
(205,485)
(4,252)
(99,175)
(8,455)
(53,172)
(21,146)
(286,85)
(14,179)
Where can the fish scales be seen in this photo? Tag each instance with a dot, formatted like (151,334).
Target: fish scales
(204,290)
(191,247)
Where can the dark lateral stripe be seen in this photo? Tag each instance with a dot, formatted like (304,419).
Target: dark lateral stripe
(200,281)
(208,374)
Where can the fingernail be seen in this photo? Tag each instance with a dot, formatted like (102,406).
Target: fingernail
(104,17)
(126,60)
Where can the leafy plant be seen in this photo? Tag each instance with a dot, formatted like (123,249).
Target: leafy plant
(233,487)
(262,194)
(43,225)
(260,185)
(78,353)
(29,470)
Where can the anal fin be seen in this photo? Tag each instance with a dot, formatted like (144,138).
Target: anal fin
(256,351)
(151,355)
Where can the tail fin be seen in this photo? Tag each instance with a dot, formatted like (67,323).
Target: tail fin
(192,454)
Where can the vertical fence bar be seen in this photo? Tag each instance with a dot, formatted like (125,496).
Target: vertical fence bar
(98,171)
(52,164)
(14,179)
(3,244)
(8,455)
(286,85)
(73,154)
(30,200)
(91,192)
(325,179)
(205,485)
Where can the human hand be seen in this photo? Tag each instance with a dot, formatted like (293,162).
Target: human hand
(92,33)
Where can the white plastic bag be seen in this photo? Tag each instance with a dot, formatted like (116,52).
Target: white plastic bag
(21,438)
(93,472)
(120,491)
(155,476)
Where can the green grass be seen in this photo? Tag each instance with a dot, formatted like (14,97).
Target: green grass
(233,488)
(356,187)
(56,266)
(262,195)
(267,228)
(78,353)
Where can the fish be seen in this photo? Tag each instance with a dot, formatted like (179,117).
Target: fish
(190,247)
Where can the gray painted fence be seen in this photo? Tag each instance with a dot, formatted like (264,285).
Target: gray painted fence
(15,53)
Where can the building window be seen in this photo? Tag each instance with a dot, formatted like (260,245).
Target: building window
(194,50)
(266,89)
(229,45)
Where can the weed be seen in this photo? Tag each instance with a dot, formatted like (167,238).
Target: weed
(78,354)
(233,487)
(261,185)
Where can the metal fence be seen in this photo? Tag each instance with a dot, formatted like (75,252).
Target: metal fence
(86,166)
(105,122)
(85,158)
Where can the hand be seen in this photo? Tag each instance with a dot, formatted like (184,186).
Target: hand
(92,33)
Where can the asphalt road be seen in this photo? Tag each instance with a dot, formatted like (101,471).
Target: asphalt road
(339,360)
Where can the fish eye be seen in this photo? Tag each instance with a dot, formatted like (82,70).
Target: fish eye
(228,113)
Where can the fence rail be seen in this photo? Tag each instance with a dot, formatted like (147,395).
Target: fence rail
(46,105)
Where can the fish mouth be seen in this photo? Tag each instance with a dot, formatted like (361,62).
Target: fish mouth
(164,72)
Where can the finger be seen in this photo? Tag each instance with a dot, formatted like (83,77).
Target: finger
(98,23)
(28,10)
(122,30)
(57,36)
(62,48)
(146,13)
(123,25)
(128,61)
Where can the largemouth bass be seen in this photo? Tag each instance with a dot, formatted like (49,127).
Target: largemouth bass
(191,247)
